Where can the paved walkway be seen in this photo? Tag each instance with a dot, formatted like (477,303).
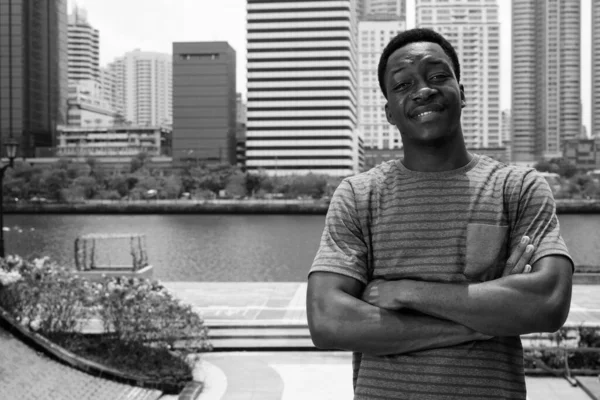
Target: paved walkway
(315,376)
(28,375)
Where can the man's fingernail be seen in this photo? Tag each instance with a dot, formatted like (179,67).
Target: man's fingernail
(528,249)
(524,240)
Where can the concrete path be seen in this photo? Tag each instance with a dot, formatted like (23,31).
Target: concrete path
(315,376)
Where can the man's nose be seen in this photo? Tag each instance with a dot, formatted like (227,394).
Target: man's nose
(423,93)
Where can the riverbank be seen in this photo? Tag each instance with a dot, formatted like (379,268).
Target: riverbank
(318,207)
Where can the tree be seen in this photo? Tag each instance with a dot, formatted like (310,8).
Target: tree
(138,161)
(236,185)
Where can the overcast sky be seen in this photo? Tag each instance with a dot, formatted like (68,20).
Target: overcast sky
(152,25)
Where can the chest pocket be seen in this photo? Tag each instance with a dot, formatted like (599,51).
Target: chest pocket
(486,251)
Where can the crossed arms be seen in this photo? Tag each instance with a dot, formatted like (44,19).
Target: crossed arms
(456,313)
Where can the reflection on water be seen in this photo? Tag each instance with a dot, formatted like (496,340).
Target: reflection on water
(234,248)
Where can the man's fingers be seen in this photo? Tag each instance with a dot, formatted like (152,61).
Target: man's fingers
(514,258)
(523,261)
(527,269)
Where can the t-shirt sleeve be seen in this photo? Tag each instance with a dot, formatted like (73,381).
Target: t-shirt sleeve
(533,213)
(342,249)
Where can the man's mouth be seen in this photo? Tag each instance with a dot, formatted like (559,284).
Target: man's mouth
(426,116)
(424,113)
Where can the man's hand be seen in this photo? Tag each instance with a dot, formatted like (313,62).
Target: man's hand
(382,293)
(518,262)
(385,294)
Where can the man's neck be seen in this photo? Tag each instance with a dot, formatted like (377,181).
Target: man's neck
(451,156)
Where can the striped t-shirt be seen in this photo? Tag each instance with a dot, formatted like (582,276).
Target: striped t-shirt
(392,223)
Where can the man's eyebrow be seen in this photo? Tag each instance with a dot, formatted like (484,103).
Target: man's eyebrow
(434,61)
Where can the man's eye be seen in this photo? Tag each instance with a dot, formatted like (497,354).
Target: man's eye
(401,85)
(438,77)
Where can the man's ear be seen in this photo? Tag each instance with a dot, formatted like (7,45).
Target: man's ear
(463,101)
(388,115)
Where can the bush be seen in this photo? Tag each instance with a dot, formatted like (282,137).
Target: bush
(43,296)
(138,310)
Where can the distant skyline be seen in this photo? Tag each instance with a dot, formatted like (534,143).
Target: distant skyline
(153,25)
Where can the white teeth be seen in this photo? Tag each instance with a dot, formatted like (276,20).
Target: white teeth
(424,113)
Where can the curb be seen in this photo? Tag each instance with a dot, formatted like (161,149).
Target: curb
(191,391)
(62,355)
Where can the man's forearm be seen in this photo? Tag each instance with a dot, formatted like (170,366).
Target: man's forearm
(361,327)
(509,306)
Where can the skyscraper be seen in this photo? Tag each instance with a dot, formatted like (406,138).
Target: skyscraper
(204,97)
(302,87)
(395,9)
(84,48)
(473,29)
(33,71)
(595,68)
(373,36)
(143,87)
(546,88)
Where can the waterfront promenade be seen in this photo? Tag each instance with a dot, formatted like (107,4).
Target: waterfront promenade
(262,347)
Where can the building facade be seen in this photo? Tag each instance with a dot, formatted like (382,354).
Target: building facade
(377,132)
(143,87)
(33,72)
(86,107)
(392,9)
(302,84)
(83,47)
(546,87)
(115,141)
(473,29)
(204,99)
(595,128)
(583,153)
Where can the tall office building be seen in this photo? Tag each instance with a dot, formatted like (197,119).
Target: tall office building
(390,8)
(33,72)
(302,87)
(143,87)
(546,88)
(204,100)
(84,48)
(506,130)
(595,68)
(373,36)
(473,29)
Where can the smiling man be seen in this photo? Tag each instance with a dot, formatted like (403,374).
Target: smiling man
(431,266)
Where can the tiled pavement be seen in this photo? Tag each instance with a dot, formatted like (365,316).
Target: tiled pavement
(28,375)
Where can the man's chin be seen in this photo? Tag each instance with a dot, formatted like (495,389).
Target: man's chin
(430,140)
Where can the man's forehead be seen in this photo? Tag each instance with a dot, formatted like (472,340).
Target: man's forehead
(419,51)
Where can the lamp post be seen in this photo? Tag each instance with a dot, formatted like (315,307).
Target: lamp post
(11,147)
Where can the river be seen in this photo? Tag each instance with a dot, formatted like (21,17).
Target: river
(212,248)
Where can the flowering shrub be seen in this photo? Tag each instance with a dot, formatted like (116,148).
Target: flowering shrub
(42,295)
(139,310)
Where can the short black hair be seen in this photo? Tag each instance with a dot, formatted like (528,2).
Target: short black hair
(414,36)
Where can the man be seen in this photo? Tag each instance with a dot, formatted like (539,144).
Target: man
(430,267)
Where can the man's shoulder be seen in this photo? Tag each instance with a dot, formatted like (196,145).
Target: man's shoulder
(371,179)
(513,174)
